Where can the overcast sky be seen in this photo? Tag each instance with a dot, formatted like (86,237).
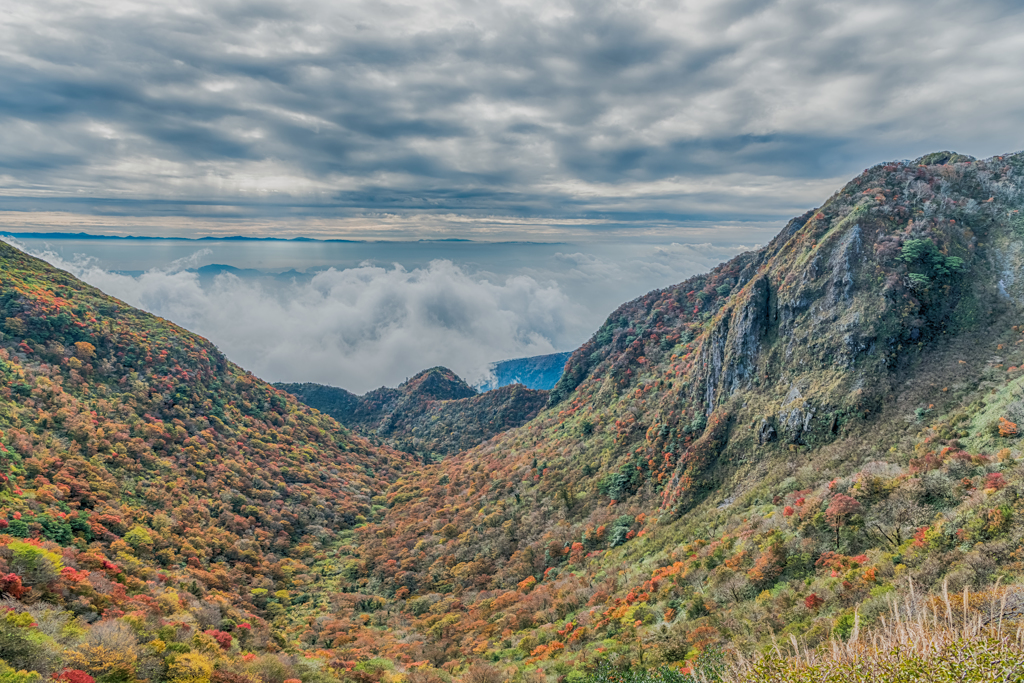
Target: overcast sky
(483,119)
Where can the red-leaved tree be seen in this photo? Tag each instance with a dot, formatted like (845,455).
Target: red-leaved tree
(839,512)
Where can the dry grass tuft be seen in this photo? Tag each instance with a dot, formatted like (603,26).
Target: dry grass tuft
(968,638)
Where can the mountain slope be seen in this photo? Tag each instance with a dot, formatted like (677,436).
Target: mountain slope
(152,469)
(431,415)
(769,413)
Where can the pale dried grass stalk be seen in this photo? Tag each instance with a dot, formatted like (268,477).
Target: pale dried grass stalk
(902,635)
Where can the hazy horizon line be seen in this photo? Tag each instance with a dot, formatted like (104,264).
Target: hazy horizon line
(246,238)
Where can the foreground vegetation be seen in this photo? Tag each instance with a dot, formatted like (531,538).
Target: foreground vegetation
(937,638)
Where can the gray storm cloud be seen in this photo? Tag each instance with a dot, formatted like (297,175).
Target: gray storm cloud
(630,112)
(368,326)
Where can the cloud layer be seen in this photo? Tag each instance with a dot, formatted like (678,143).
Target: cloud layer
(621,113)
(363,327)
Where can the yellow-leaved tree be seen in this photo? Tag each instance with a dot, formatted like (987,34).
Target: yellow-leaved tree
(190,667)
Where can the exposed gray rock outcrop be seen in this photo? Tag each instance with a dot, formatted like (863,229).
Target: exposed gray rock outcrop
(766,432)
(729,357)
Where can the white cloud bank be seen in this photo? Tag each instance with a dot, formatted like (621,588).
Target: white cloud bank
(364,327)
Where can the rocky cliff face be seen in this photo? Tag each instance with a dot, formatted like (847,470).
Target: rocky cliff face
(730,356)
(818,324)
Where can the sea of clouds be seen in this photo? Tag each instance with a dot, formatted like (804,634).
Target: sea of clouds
(372,325)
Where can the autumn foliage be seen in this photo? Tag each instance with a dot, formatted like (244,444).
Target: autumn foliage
(165,515)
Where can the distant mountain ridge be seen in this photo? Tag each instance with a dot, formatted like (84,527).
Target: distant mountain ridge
(208,238)
(433,414)
(231,238)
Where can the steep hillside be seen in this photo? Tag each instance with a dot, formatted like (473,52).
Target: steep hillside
(144,474)
(535,372)
(809,425)
(432,415)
